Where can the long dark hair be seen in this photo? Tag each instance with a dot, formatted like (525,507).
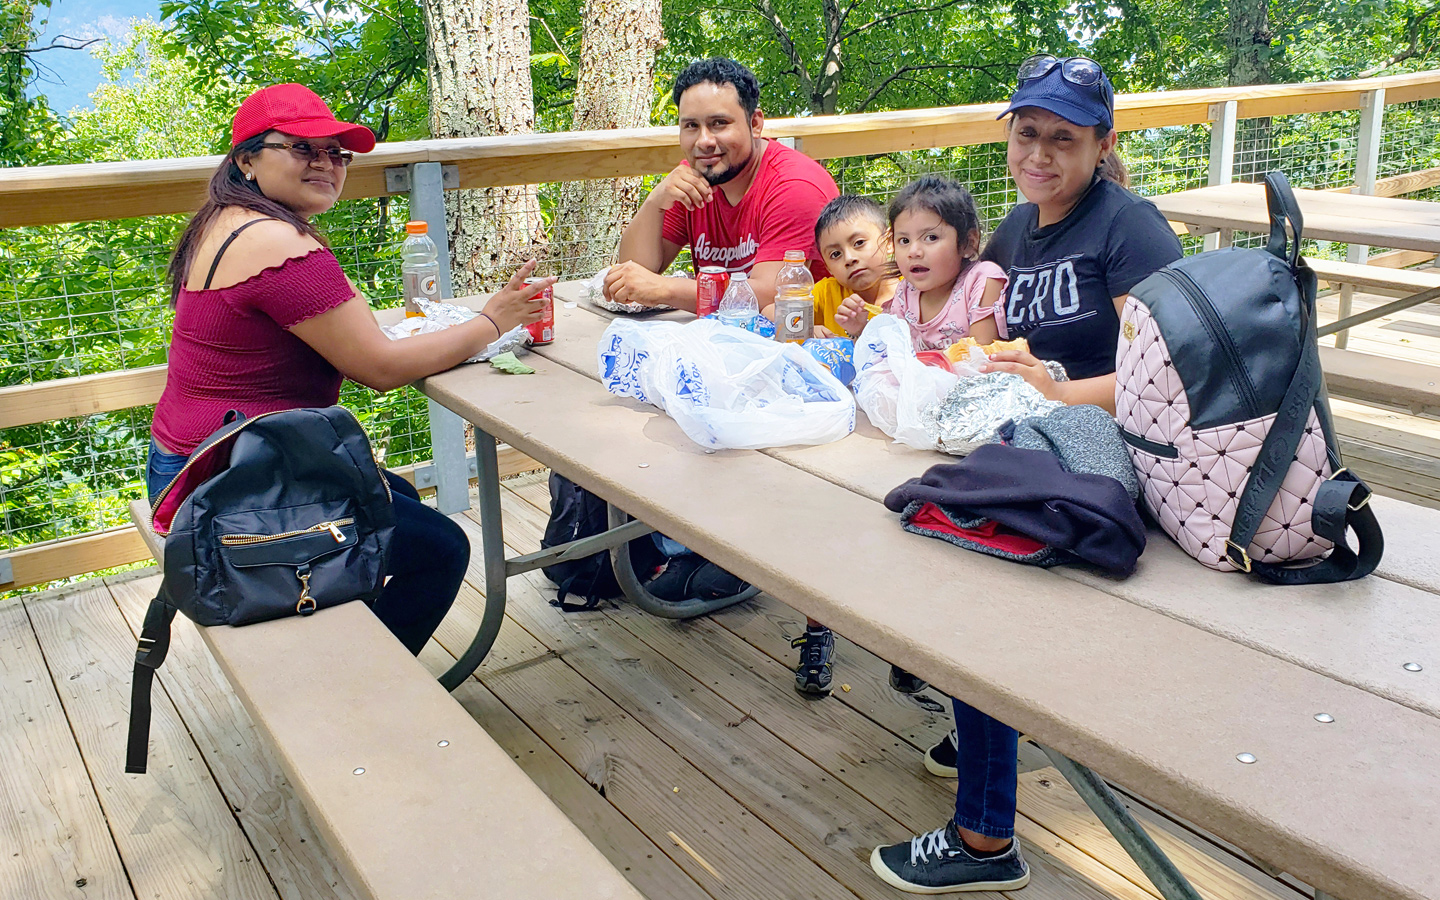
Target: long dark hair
(228,187)
(948,199)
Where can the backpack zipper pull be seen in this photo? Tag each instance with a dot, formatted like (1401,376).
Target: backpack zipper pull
(336,533)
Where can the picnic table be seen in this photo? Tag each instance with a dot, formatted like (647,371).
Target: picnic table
(1356,219)
(1169,682)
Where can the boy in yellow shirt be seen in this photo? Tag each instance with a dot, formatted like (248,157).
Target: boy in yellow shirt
(854,240)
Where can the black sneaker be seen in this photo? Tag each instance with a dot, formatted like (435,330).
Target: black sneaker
(812,675)
(906,683)
(939,862)
(940,759)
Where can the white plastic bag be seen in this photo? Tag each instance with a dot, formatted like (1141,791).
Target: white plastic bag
(892,386)
(726,387)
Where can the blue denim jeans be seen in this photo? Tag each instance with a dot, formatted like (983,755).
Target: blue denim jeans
(161,468)
(985,796)
(428,556)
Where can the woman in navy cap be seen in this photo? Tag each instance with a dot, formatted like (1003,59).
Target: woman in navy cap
(266,320)
(1072,253)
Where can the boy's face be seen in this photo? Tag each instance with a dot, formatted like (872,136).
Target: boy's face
(856,252)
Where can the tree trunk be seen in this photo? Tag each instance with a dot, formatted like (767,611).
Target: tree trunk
(480,86)
(614,89)
(1247,41)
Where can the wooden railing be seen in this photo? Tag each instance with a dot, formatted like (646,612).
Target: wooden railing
(102,191)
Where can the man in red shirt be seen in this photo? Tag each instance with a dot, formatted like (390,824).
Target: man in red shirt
(738,200)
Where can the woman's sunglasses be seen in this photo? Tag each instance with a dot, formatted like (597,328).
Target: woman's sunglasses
(1078,70)
(308,152)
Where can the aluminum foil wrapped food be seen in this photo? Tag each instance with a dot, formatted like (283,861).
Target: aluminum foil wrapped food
(594,291)
(440,316)
(976,406)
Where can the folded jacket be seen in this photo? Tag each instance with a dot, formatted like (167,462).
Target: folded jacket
(1084,438)
(1028,492)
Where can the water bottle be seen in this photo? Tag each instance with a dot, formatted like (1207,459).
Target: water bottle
(794,302)
(738,307)
(419,268)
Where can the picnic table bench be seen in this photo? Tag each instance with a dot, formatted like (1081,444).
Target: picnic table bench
(1159,682)
(412,797)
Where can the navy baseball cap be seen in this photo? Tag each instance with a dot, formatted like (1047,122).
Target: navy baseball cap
(1082,104)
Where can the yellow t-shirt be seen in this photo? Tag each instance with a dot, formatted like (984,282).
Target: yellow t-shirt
(828,296)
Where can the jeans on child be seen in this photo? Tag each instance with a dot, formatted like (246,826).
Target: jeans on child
(670,548)
(985,795)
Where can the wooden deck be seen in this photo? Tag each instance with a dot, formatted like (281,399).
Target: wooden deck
(679,749)
(1397,453)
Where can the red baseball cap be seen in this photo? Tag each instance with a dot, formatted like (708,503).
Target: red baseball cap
(297,110)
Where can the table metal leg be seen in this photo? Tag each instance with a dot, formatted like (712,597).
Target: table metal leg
(1162,873)
(636,593)
(1377,312)
(492,543)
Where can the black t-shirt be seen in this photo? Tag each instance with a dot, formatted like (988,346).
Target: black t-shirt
(1063,277)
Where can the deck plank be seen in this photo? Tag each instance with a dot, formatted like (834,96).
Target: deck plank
(274,819)
(643,863)
(59,846)
(656,789)
(174,830)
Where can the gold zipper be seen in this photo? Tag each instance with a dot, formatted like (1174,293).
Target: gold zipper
(241,540)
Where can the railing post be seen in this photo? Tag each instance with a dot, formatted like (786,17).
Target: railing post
(447,430)
(1222,152)
(1367,166)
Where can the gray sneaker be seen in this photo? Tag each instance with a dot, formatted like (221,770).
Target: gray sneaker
(939,862)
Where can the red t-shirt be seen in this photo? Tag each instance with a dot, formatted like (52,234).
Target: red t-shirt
(232,349)
(777,213)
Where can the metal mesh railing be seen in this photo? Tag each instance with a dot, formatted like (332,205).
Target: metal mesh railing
(88,298)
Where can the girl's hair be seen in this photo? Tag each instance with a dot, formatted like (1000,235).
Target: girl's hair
(228,187)
(944,197)
(1112,167)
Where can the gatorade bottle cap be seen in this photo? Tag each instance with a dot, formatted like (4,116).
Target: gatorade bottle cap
(417,227)
(795,256)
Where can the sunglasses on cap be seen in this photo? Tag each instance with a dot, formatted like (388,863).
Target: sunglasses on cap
(1078,70)
(308,152)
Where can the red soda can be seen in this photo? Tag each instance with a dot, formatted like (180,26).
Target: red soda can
(712,283)
(543,331)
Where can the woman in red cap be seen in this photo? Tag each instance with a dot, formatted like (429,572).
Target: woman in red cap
(266,320)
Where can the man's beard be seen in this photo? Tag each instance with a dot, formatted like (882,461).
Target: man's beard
(729,173)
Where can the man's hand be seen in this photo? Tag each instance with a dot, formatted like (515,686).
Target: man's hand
(630,282)
(684,186)
(852,316)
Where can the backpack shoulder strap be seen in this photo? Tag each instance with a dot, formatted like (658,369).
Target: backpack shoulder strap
(154,645)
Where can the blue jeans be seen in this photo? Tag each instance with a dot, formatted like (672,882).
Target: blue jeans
(161,468)
(985,796)
(428,556)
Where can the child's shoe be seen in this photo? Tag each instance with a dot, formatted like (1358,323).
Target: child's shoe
(906,683)
(812,675)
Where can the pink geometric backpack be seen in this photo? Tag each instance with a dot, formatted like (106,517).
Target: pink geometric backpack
(1220,397)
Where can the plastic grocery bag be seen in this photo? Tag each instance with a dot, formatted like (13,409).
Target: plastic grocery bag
(892,386)
(726,387)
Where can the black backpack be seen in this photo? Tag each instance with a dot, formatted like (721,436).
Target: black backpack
(576,513)
(277,515)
